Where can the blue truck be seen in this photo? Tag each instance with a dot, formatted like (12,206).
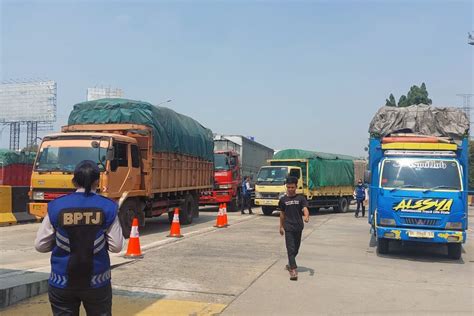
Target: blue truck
(419,182)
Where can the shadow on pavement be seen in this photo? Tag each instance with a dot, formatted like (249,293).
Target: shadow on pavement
(305,269)
(418,251)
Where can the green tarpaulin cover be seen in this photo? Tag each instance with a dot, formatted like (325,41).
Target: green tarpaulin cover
(172,132)
(324,169)
(8,157)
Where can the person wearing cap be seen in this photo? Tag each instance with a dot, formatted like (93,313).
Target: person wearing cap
(80,229)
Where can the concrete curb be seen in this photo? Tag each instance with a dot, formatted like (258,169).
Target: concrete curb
(23,286)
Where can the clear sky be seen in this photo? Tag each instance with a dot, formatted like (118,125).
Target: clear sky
(293,74)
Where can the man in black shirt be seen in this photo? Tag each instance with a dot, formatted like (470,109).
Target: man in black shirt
(292,207)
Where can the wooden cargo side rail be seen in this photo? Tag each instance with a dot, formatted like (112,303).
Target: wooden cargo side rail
(177,172)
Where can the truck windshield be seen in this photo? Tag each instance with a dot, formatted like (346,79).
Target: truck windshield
(63,156)
(221,162)
(272,175)
(419,173)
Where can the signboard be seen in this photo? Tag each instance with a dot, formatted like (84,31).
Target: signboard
(28,101)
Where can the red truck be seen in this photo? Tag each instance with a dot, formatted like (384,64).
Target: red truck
(227,181)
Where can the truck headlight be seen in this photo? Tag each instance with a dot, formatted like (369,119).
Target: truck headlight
(225,186)
(258,195)
(453,225)
(387,222)
(37,195)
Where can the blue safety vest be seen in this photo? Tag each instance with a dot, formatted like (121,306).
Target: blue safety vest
(244,188)
(360,192)
(80,258)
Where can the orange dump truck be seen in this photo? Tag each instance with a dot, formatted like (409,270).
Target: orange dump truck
(152,159)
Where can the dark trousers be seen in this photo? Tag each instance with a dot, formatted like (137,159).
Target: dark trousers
(360,203)
(293,242)
(247,203)
(65,302)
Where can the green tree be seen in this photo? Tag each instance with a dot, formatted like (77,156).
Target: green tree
(403,102)
(416,95)
(391,101)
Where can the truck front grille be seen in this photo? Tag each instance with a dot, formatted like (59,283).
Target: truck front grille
(421,221)
(269,195)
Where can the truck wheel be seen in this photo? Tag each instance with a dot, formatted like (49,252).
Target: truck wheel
(235,204)
(382,246)
(186,210)
(232,206)
(126,214)
(196,206)
(343,205)
(454,251)
(267,210)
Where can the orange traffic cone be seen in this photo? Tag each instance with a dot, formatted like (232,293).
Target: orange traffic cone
(175,230)
(134,251)
(220,218)
(224,211)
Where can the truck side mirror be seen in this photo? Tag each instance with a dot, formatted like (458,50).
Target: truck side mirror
(110,154)
(367,176)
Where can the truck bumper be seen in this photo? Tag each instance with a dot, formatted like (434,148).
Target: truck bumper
(38,209)
(216,197)
(421,235)
(266,202)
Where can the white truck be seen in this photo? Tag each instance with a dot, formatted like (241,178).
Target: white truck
(253,155)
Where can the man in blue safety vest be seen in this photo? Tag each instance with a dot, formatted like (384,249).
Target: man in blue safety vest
(360,194)
(247,194)
(80,229)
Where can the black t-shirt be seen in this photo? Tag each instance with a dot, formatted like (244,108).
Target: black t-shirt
(293,209)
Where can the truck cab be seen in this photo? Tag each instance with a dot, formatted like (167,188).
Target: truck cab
(227,180)
(270,185)
(117,156)
(418,191)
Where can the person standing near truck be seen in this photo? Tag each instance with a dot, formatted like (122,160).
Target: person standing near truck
(293,208)
(247,193)
(80,229)
(360,194)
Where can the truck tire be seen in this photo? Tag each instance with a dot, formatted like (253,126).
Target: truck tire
(186,210)
(343,205)
(454,251)
(170,217)
(127,212)
(235,204)
(267,210)
(196,206)
(382,246)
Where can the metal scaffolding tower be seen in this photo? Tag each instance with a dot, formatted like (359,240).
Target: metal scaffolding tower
(466,104)
(31,133)
(15,136)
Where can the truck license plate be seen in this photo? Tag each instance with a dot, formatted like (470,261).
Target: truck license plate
(267,202)
(420,234)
